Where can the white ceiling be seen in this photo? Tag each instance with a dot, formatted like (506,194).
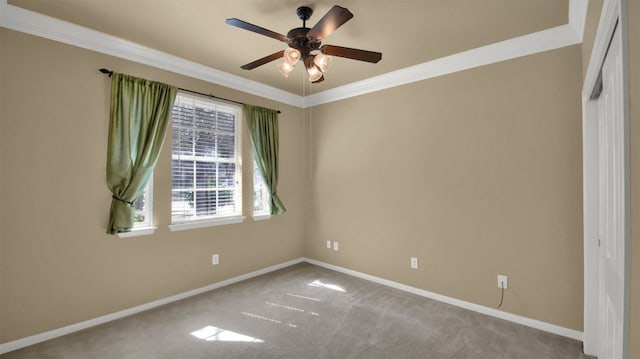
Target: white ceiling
(418,38)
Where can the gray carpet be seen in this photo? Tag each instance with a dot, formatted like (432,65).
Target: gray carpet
(305,311)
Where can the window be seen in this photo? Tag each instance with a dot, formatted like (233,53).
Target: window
(261,205)
(143,207)
(143,214)
(206,173)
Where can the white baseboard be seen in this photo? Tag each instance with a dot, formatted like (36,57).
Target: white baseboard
(547,327)
(39,338)
(52,334)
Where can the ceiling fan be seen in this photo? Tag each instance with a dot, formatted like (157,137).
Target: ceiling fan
(305,44)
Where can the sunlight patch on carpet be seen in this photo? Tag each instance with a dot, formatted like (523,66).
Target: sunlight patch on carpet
(319,284)
(215,334)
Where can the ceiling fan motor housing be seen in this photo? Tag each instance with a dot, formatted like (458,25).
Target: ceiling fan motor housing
(298,40)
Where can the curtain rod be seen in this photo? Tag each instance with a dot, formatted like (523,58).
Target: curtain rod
(109,73)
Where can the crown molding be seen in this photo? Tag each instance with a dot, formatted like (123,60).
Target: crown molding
(537,42)
(545,40)
(18,19)
(578,16)
(33,23)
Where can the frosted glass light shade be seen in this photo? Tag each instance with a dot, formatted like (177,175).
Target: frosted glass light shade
(292,55)
(322,61)
(285,68)
(314,73)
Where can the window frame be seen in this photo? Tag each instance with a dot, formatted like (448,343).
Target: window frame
(215,220)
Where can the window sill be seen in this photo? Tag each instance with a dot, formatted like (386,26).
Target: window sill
(136,232)
(261,217)
(183,226)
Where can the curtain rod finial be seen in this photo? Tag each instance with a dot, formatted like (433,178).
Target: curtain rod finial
(106,72)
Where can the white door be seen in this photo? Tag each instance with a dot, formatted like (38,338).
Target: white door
(611,128)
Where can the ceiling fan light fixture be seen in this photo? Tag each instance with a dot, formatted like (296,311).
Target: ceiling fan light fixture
(292,56)
(305,44)
(314,73)
(322,61)
(286,68)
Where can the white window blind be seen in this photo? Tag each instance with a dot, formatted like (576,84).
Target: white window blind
(206,181)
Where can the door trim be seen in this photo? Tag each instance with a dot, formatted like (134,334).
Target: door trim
(613,11)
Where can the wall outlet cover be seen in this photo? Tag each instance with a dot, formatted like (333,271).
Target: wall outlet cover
(502,281)
(414,262)
(336,246)
(215,259)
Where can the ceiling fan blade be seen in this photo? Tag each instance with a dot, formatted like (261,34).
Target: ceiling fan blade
(257,29)
(332,20)
(349,53)
(262,61)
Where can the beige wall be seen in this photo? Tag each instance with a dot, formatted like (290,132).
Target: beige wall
(58,265)
(477,173)
(633,17)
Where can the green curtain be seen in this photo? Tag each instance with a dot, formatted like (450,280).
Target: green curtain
(140,114)
(263,133)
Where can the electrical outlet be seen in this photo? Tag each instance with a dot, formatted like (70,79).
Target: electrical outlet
(336,246)
(414,262)
(215,259)
(328,244)
(502,281)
